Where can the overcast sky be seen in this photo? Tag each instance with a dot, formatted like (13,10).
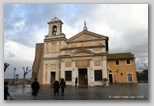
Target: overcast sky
(126,25)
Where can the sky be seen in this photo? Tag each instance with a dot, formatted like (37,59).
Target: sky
(126,25)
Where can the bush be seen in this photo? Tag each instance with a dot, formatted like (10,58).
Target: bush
(105,79)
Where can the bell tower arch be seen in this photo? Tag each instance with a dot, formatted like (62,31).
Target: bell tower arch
(55,27)
(54,30)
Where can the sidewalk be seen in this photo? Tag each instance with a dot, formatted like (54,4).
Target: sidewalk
(113,92)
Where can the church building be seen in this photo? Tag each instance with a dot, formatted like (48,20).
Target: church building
(83,56)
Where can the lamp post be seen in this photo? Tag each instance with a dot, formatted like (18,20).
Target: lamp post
(14,75)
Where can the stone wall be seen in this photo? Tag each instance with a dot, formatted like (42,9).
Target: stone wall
(18,82)
(37,65)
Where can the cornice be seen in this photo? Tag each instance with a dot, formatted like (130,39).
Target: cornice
(83,47)
(55,39)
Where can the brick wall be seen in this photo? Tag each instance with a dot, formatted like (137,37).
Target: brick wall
(37,64)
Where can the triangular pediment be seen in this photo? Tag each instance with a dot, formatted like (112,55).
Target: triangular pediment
(85,36)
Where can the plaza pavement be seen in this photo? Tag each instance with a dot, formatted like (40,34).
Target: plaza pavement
(112,92)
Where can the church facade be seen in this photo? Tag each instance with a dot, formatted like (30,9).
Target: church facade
(83,56)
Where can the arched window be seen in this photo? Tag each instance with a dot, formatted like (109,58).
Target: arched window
(54,30)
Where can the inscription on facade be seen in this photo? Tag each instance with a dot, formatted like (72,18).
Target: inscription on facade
(82,63)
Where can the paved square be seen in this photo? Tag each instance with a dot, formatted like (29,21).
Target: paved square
(113,92)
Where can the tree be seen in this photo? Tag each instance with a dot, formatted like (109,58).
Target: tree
(105,81)
(25,73)
(142,76)
(145,75)
(6,66)
(146,66)
(139,76)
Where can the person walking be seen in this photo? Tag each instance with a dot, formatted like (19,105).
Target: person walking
(76,81)
(62,85)
(35,87)
(56,88)
(6,91)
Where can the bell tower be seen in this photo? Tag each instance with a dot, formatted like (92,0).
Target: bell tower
(55,27)
(53,43)
(55,39)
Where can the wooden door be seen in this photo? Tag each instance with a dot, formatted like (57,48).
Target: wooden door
(83,78)
(52,78)
(110,78)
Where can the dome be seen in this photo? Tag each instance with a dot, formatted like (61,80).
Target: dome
(55,20)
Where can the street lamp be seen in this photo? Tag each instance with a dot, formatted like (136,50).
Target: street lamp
(14,75)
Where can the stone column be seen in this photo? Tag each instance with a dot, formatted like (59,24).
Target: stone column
(45,48)
(58,30)
(45,70)
(89,76)
(74,73)
(62,69)
(104,68)
(91,70)
(57,72)
(50,30)
(49,47)
(105,71)
(57,46)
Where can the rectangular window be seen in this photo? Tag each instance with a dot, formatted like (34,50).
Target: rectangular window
(127,61)
(68,75)
(117,62)
(98,75)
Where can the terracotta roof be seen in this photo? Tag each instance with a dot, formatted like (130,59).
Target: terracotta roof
(120,56)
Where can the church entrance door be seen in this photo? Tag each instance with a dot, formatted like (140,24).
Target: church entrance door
(110,78)
(83,78)
(52,78)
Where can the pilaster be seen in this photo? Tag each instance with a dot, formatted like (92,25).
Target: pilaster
(91,71)
(62,69)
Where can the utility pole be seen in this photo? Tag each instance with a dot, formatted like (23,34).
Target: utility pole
(14,75)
